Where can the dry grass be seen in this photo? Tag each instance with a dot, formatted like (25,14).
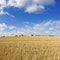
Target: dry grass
(30,48)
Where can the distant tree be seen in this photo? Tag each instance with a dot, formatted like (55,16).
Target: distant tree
(51,35)
(16,35)
(32,35)
(37,35)
(22,35)
(3,36)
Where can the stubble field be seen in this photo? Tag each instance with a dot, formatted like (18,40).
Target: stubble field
(30,48)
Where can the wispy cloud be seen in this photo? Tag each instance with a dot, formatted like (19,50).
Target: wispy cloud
(26,22)
(6,13)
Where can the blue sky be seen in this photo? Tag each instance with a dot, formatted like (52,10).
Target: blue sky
(29,17)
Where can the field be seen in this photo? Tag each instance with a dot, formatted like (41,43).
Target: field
(30,48)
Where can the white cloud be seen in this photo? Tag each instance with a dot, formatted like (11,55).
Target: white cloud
(6,13)
(1,12)
(57,24)
(2,1)
(3,26)
(48,23)
(34,8)
(44,28)
(11,27)
(30,6)
(51,28)
(38,28)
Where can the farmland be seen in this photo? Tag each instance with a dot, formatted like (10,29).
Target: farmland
(30,48)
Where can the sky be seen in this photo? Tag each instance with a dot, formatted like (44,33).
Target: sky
(38,17)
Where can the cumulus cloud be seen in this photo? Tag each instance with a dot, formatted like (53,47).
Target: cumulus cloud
(44,28)
(38,29)
(30,6)
(51,28)
(34,8)
(4,26)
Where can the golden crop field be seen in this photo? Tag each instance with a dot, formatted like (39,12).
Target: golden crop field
(30,48)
